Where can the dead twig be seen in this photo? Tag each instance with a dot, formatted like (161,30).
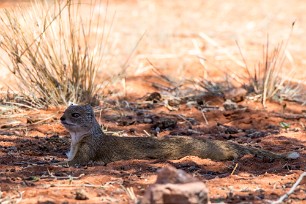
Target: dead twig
(185,119)
(77,185)
(203,114)
(292,189)
(8,200)
(289,116)
(234,169)
(147,133)
(51,175)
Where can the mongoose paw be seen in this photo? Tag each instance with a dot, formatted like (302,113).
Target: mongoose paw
(77,164)
(63,163)
(98,163)
(90,163)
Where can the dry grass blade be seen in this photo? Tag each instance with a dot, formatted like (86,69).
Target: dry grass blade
(130,192)
(201,59)
(215,44)
(47,48)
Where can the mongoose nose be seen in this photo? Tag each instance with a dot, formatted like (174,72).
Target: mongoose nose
(62,118)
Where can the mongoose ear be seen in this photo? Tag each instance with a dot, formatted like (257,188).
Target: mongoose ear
(87,106)
(89,109)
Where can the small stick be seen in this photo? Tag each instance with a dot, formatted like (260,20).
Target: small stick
(184,118)
(51,175)
(74,185)
(147,133)
(204,117)
(20,196)
(286,195)
(10,199)
(234,169)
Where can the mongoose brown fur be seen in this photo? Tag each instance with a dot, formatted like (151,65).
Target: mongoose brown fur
(89,143)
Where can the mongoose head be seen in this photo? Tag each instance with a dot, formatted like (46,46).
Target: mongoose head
(78,118)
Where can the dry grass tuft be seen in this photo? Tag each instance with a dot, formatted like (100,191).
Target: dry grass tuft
(47,47)
(268,78)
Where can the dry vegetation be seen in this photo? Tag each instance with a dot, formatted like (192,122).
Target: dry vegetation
(54,52)
(155,68)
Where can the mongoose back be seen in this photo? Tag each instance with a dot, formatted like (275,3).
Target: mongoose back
(89,143)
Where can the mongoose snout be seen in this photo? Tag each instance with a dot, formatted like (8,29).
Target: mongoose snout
(89,143)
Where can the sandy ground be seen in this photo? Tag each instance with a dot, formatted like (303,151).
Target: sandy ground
(176,36)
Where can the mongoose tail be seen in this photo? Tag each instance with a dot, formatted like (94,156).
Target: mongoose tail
(265,154)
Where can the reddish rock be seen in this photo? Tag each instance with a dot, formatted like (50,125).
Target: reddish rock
(172,175)
(175,186)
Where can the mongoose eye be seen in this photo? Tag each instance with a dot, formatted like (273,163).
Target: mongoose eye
(75,115)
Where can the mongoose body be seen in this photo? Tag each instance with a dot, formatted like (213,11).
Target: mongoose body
(89,143)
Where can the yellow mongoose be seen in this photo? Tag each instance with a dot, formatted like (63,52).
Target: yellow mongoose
(89,143)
